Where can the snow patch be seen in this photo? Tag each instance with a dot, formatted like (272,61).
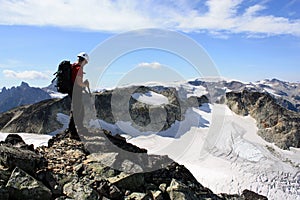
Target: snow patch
(57,95)
(30,138)
(151,98)
(64,120)
(271,91)
(193,118)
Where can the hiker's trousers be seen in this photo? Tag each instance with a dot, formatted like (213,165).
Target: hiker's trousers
(77,110)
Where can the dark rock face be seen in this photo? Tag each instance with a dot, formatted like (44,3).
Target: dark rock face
(72,172)
(21,95)
(37,118)
(286,94)
(119,105)
(276,123)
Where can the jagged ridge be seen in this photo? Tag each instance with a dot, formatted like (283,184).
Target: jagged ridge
(21,95)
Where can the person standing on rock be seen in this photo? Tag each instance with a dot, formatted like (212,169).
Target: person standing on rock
(77,109)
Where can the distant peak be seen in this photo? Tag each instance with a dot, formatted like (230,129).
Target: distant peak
(24,84)
(274,80)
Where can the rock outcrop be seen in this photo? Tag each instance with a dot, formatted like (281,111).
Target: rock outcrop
(72,171)
(119,105)
(276,124)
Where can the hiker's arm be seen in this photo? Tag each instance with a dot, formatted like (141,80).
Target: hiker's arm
(81,83)
(87,83)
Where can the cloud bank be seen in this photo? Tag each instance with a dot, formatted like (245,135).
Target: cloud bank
(153,65)
(213,16)
(26,75)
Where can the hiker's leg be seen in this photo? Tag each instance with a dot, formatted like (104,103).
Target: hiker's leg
(78,110)
(72,127)
(79,124)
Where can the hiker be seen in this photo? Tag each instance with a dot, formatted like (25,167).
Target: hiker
(77,109)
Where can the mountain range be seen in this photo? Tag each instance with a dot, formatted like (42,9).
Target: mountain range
(20,95)
(230,135)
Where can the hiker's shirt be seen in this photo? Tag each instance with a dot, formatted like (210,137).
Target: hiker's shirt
(77,73)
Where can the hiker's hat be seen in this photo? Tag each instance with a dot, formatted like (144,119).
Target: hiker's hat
(84,55)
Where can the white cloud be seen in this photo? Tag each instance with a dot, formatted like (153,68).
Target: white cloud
(224,16)
(153,65)
(26,75)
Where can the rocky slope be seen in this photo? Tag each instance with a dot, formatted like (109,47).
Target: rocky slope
(37,118)
(21,95)
(67,169)
(276,124)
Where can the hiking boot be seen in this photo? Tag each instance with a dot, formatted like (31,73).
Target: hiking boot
(72,134)
(75,137)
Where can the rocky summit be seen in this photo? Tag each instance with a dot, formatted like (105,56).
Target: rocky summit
(100,166)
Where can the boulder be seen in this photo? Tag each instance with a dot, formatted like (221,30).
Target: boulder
(79,191)
(14,139)
(139,196)
(12,157)
(178,190)
(249,195)
(23,186)
(133,182)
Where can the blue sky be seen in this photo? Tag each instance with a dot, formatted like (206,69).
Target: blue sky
(247,40)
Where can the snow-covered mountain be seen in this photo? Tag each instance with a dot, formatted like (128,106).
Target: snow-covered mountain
(52,90)
(209,126)
(20,95)
(287,94)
